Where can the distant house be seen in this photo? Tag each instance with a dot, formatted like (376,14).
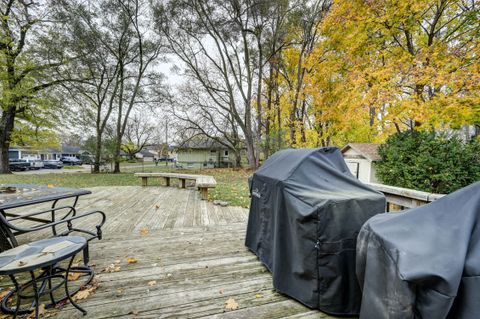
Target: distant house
(64,151)
(360,159)
(19,153)
(146,155)
(204,153)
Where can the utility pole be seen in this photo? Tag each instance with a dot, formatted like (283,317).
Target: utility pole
(166,141)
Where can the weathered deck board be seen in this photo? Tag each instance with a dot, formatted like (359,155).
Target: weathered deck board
(194,251)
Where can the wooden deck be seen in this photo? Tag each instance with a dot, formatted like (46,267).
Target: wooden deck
(194,253)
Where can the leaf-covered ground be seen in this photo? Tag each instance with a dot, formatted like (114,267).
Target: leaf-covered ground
(232,185)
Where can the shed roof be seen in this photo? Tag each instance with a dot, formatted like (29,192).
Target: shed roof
(202,144)
(367,150)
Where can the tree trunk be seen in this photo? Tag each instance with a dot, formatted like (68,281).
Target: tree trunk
(98,153)
(251,154)
(7,122)
(238,158)
(270,86)
(259,89)
(116,157)
(116,169)
(302,130)
(118,139)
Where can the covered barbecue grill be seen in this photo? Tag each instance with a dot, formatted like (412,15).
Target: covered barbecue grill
(305,214)
(425,262)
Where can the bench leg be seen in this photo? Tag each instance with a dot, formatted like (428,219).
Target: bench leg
(144,181)
(167,181)
(183,183)
(203,193)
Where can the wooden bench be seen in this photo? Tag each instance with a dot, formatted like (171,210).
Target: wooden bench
(202,182)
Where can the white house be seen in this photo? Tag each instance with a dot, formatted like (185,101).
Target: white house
(360,159)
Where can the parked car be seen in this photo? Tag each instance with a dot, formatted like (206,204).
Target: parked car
(70,160)
(53,164)
(19,165)
(35,163)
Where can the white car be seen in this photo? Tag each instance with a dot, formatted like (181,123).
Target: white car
(35,163)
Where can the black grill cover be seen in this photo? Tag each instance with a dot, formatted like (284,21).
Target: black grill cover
(423,263)
(305,214)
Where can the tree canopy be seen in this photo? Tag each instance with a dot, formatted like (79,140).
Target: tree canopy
(253,74)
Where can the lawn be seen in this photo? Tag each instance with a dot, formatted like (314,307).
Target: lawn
(232,184)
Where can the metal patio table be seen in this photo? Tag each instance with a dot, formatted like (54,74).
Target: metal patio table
(15,196)
(45,254)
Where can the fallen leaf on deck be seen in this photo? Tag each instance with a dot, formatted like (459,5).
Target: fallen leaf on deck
(72,276)
(86,291)
(41,312)
(4,293)
(221,291)
(50,186)
(231,304)
(144,232)
(82,294)
(132,260)
(112,268)
(157,206)
(51,313)
(258,296)
(152,283)
(21,263)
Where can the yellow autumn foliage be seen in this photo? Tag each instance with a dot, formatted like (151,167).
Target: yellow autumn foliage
(382,66)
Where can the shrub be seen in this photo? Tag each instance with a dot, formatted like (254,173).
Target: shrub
(429,162)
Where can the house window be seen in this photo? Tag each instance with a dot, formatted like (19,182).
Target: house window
(225,153)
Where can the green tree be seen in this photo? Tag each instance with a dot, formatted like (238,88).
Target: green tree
(116,53)
(31,63)
(429,162)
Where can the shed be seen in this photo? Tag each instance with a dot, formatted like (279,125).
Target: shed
(361,159)
(204,153)
(305,213)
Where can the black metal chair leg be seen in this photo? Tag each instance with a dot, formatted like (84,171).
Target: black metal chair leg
(35,292)
(52,298)
(66,288)
(18,289)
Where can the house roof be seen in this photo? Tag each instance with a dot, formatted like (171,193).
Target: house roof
(367,150)
(148,153)
(202,144)
(70,149)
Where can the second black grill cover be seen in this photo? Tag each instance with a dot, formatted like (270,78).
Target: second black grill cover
(305,214)
(425,262)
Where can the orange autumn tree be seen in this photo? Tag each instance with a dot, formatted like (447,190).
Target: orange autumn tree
(405,64)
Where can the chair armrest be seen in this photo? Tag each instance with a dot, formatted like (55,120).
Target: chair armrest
(68,221)
(52,210)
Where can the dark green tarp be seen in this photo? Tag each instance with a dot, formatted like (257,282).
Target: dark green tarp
(305,215)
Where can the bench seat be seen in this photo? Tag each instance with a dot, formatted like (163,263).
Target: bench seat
(202,182)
